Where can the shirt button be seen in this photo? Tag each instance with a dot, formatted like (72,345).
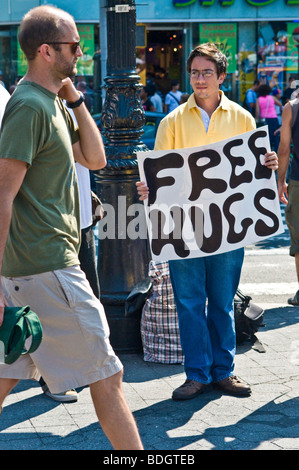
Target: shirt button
(16,287)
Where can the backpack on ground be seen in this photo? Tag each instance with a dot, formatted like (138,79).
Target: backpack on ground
(249,318)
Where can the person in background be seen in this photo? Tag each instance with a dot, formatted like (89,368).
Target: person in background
(87,258)
(278,108)
(155,98)
(265,110)
(289,90)
(288,189)
(4,97)
(145,99)
(82,86)
(1,79)
(184,98)
(273,83)
(251,97)
(172,98)
(12,89)
(295,93)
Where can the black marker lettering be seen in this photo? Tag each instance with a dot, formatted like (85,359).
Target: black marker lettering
(152,166)
(246,176)
(261,171)
(160,238)
(199,182)
(261,228)
(212,243)
(232,236)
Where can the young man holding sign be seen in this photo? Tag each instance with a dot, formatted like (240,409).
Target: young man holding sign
(208,338)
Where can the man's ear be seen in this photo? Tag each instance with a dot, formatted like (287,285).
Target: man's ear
(221,78)
(46,52)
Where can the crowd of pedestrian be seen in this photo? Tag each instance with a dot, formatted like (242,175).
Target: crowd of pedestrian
(265,101)
(154,101)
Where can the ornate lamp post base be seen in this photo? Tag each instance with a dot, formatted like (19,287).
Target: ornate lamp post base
(122,259)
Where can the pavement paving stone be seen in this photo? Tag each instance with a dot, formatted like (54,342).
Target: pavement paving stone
(266,420)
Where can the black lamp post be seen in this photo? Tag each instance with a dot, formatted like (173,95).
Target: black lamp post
(296,41)
(122,261)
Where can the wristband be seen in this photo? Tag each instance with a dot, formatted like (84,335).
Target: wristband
(77,103)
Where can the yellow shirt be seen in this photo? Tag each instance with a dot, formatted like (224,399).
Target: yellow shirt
(184,127)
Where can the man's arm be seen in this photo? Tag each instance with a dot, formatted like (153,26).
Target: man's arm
(12,173)
(251,100)
(89,150)
(284,153)
(257,110)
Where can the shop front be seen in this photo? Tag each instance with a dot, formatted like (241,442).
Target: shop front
(257,36)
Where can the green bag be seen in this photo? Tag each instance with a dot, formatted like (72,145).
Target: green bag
(19,323)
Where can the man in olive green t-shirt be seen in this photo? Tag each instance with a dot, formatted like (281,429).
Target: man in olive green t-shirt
(44,231)
(39,230)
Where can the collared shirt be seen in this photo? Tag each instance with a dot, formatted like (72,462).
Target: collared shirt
(205,118)
(184,127)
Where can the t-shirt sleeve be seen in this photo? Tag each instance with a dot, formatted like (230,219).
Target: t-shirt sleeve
(250,97)
(21,134)
(167,99)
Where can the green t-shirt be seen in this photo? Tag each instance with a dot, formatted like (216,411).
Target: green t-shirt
(45,228)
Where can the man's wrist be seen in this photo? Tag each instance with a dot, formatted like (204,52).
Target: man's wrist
(78,102)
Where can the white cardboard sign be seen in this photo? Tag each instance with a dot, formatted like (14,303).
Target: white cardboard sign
(210,199)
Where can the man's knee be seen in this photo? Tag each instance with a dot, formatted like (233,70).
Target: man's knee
(6,386)
(108,385)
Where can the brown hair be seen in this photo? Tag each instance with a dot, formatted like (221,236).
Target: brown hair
(211,52)
(264,90)
(41,25)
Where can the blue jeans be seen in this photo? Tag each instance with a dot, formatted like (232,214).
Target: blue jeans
(207,333)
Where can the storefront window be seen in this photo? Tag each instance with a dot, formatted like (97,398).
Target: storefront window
(277,53)
(8,56)
(161,61)
(272,53)
(224,35)
(247,59)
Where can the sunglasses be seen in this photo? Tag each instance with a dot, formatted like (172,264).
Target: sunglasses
(74,45)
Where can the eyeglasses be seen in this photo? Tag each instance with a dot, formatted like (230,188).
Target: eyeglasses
(74,45)
(204,73)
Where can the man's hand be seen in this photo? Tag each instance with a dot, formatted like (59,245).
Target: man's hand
(271,160)
(283,192)
(68,91)
(142,190)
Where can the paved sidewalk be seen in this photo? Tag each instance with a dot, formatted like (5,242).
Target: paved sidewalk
(268,419)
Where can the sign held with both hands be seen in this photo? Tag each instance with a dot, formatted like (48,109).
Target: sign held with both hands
(210,199)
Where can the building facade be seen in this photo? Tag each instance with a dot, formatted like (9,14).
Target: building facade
(257,36)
